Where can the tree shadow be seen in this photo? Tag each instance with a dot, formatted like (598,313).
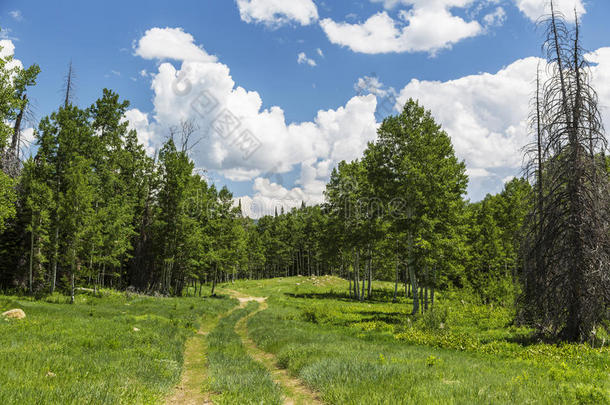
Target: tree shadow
(392,318)
(379,296)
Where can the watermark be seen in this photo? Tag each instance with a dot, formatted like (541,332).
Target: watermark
(222,121)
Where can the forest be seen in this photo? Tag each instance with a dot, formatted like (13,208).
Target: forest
(91,214)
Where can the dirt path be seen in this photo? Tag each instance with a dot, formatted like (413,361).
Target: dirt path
(190,391)
(295,391)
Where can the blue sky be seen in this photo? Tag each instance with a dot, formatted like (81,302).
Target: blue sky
(439,52)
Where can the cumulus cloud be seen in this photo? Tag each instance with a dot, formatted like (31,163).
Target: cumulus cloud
(7,48)
(486,115)
(303,59)
(146,130)
(428,26)
(170,43)
(601,80)
(275,13)
(535,9)
(237,137)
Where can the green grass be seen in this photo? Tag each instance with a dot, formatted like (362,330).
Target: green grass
(350,352)
(234,376)
(376,353)
(90,352)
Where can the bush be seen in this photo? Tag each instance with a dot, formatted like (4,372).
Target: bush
(435,319)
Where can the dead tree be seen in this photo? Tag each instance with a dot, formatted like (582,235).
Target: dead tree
(567,248)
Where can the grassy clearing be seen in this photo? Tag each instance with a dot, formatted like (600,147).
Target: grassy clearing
(90,352)
(236,378)
(357,353)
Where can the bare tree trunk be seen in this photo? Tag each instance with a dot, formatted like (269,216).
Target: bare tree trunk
(55,254)
(396,281)
(426,286)
(414,286)
(214,279)
(433,287)
(356,274)
(370,280)
(32,260)
(72,288)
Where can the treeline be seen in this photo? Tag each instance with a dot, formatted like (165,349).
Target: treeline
(399,214)
(91,208)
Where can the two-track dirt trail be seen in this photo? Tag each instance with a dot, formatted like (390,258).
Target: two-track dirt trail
(295,391)
(190,391)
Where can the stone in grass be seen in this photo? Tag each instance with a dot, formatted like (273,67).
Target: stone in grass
(14,314)
(136,329)
(51,374)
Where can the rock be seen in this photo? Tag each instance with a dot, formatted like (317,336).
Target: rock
(14,314)
(136,329)
(50,374)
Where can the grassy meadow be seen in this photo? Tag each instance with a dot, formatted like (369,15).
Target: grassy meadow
(121,348)
(117,348)
(377,353)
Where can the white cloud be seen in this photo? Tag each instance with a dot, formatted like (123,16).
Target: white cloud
(486,115)
(495,19)
(535,9)
(275,13)
(16,15)
(370,85)
(320,52)
(202,90)
(474,173)
(7,48)
(303,59)
(428,26)
(170,43)
(27,142)
(601,80)
(507,179)
(146,130)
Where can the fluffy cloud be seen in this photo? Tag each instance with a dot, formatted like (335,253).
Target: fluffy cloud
(7,49)
(370,85)
(601,80)
(236,137)
(274,13)
(486,115)
(428,26)
(534,9)
(303,59)
(145,129)
(170,43)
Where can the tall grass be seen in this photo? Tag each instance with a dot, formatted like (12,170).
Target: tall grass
(376,353)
